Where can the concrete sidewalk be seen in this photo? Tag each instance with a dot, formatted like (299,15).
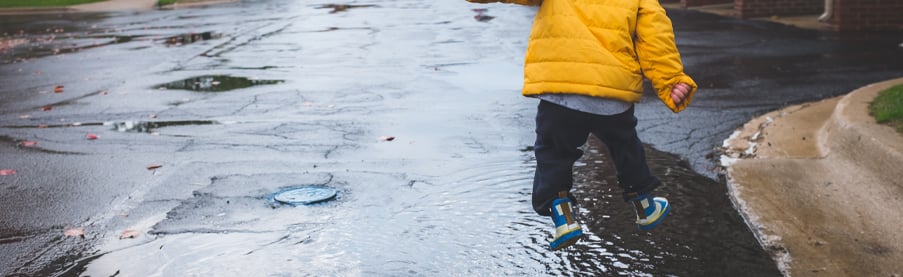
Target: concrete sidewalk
(116,5)
(103,6)
(820,184)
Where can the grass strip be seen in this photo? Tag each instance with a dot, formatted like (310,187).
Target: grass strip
(887,108)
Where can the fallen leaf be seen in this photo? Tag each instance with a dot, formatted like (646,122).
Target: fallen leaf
(154,166)
(91,137)
(46,108)
(4,172)
(75,232)
(153,115)
(129,234)
(42,126)
(58,89)
(386,138)
(339,8)
(28,143)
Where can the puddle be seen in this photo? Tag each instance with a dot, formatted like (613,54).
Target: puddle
(189,38)
(216,83)
(333,29)
(150,126)
(677,247)
(267,67)
(122,126)
(343,7)
(422,224)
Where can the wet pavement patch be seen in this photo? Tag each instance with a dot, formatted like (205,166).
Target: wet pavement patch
(303,195)
(150,126)
(189,38)
(343,7)
(216,83)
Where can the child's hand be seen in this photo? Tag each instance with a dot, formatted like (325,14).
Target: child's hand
(679,92)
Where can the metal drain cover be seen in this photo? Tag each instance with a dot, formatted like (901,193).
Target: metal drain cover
(305,195)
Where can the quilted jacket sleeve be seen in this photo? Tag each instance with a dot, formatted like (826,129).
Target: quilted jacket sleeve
(519,2)
(658,54)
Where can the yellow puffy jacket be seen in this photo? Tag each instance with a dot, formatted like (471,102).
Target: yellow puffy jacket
(602,48)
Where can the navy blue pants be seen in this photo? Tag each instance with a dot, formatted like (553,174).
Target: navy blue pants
(559,134)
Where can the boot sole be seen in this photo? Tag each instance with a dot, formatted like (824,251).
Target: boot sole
(660,219)
(566,240)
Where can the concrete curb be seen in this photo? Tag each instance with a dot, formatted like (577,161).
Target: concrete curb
(854,133)
(102,6)
(816,183)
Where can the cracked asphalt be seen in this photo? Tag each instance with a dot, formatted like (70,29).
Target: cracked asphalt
(281,94)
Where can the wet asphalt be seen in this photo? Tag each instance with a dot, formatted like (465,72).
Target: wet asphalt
(236,101)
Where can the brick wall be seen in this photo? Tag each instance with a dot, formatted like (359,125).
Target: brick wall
(765,8)
(868,15)
(694,3)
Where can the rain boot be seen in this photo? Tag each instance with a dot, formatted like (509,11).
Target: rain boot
(567,231)
(650,211)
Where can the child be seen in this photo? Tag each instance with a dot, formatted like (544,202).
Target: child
(586,60)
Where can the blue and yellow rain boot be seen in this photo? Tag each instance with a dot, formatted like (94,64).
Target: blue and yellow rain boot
(567,231)
(650,211)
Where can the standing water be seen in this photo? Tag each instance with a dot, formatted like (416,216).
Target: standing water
(449,195)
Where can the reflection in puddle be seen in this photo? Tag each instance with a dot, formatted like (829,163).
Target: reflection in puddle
(150,126)
(216,83)
(179,40)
